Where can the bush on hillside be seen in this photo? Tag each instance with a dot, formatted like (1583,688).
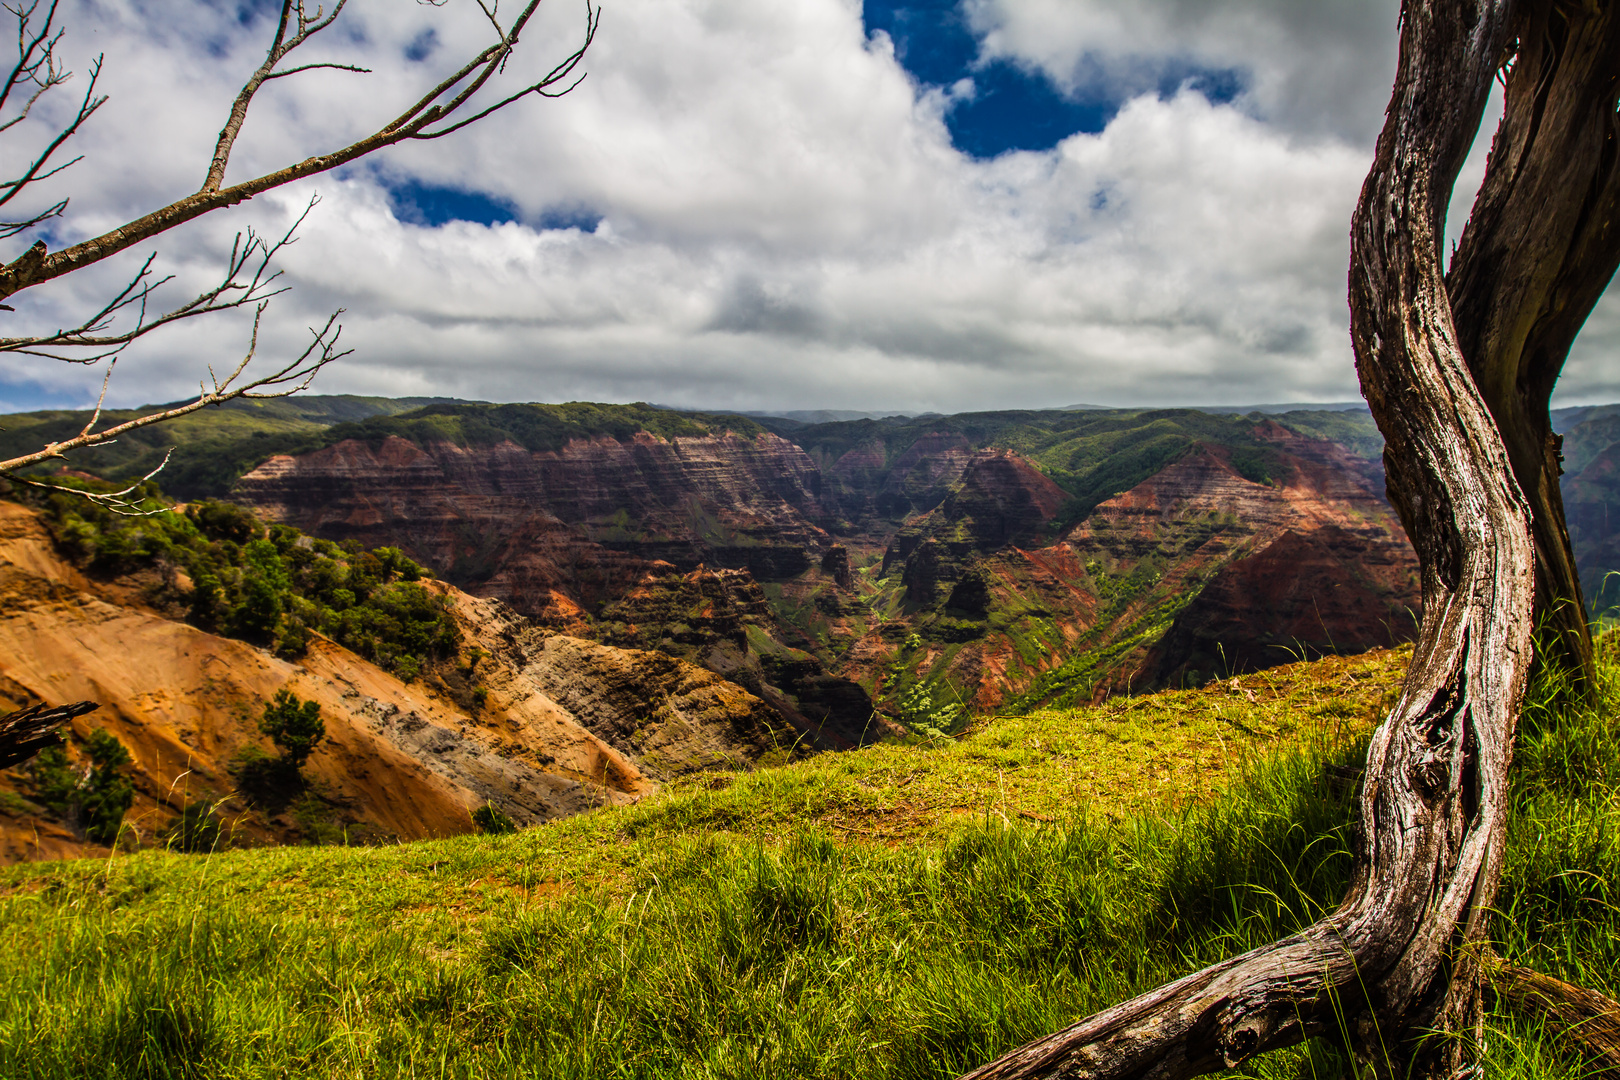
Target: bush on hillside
(920,713)
(294,726)
(492,821)
(93,797)
(269,585)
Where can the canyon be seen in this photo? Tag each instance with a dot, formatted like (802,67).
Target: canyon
(563,725)
(832,567)
(639,596)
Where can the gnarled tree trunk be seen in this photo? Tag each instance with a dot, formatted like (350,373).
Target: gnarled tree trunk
(1399,957)
(1542,242)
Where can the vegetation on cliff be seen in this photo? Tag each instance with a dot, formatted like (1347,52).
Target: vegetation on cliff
(269,585)
(538,427)
(899,911)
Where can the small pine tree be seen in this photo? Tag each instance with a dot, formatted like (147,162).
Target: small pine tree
(294,726)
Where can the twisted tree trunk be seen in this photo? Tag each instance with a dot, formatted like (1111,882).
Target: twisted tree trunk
(1542,242)
(1398,960)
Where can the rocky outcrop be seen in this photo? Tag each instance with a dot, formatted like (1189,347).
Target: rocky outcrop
(1000,501)
(722,620)
(666,715)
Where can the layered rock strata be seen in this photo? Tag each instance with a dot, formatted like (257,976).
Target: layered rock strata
(564,725)
(543,530)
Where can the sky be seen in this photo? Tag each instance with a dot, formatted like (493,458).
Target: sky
(891,205)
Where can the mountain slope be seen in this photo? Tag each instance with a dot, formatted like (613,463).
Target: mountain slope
(402,760)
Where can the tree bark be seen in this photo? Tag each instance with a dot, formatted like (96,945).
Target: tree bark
(26,732)
(1397,961)
(1541,244)
(1567,1012)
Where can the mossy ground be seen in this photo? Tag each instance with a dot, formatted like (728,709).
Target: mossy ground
(900,911)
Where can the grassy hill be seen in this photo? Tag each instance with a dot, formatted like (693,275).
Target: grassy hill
(902,911)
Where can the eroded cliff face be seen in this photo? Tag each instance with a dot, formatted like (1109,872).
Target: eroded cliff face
(1199,569)
(564,726)
(604,538)
(714,550)
(547,531)
(1299,596)
(1314,560)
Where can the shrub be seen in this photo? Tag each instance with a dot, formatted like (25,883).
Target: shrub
(492,821)
(919,712)
(269,585)
(94,799)
(294,726)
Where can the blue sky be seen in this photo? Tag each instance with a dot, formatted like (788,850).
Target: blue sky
(826,204)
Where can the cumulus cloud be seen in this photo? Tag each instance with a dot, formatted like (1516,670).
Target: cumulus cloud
(780,217)
(1316,68)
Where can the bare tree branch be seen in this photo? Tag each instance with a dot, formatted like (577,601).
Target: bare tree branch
(233,291)
(303,29)
(9,189)
(438,105)
(293,375)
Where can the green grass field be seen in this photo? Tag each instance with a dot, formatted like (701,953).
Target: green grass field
(901,911)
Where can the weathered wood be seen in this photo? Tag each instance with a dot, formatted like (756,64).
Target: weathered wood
(1541,245)
(1396,959)
(1571,1014)
(26,732)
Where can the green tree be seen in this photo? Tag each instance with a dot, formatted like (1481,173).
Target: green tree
(95,800)
(294,726)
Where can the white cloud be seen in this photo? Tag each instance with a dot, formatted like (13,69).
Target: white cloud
(1316,68)
(785,222)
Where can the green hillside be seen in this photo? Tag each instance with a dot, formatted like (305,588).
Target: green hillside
(211,447)
(537,427)
(901,911)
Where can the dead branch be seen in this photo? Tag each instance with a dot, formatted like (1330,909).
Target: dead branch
(1568,1013)
(291,377)
(440,106)
(26,732)
(251,255)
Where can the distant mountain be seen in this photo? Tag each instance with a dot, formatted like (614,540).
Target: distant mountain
(207,449)
(823,566)
(1244,410)
(852,536)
